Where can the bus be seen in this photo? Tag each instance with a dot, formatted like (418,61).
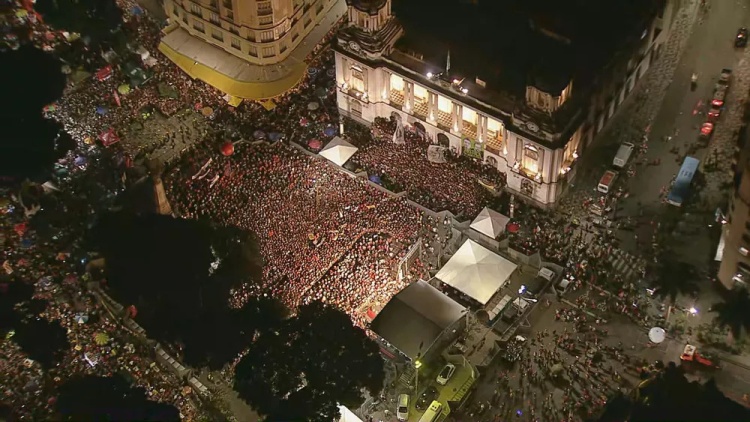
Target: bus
(681,187)
(432,413)
(606,182)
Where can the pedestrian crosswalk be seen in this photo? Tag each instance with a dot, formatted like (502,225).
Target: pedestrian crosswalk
(622,263)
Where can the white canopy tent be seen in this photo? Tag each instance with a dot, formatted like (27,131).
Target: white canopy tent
(476,271)
(338,151)
(347,415)
(490,223)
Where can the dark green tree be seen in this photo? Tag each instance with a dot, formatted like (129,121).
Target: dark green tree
(734,312)
(93,398)
(30,143)
(674,278)
(95,19)
(43,341)
(180,283)
(314,362)
(669,396)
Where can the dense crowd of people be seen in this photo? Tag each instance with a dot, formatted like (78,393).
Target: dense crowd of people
(453,186)
(308,217)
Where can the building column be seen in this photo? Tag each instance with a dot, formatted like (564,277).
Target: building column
(482,128)
(432,100)
(385,95)
(456,118)
(408,96)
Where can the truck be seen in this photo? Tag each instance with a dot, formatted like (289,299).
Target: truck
(623,155)
(606,182)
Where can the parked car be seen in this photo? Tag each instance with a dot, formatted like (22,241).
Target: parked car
(707,130)
(428,395)
(446,374)
(402,411)
(562,286)
(740,41)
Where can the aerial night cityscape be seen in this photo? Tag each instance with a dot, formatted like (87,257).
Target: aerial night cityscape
(375,210)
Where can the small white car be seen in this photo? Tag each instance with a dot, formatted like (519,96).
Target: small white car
(402,411)
(446,374)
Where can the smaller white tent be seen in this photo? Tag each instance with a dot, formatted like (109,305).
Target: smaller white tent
(476,271)
(490,223)
(347,415)
(338,151)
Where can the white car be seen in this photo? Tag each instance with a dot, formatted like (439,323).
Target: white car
(402,411)
(446,374)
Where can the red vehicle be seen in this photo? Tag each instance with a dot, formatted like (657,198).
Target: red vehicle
(707,130)
(691,354)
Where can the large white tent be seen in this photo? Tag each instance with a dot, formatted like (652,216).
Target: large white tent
(490,223)
(476,271)
(338,151)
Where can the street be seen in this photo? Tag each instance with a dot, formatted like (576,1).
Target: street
(665,109)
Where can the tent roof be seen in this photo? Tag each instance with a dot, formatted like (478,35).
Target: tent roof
(414,318)
(347,415)
(338,151)
(490,223)
(476,271)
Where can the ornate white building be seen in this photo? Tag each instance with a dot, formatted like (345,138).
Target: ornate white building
(523,89)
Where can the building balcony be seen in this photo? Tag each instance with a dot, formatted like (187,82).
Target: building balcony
(396,98)
(494,144)
(444,120)
(361,96)
(420,109)
(468,130)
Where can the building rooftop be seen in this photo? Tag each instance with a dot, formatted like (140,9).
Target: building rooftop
(497,48)
(414,318)
(510,43)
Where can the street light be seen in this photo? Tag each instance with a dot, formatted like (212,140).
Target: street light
(693,311)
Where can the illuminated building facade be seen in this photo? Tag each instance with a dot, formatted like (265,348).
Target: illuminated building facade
(526,96)
(262,32)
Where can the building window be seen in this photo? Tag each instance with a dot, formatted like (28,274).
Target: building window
(236,44)
(198,26)
(265,20)
(355,107)
(217,35)
(269,51)
(195,9)
(175,11)
(214,18)
(227,4)
(266,36)
(530,159)
(230,15)
(253,51)
(282,48)
(214,4)
(264,8)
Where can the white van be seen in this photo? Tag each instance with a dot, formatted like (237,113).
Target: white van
(432,413)
(402,411)
(606,182)
(623,155)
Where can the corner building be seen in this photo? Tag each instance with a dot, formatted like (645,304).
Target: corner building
(734,245)
(523,85)
(262,32)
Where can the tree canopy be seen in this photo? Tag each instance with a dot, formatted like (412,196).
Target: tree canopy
(93,398)
(30,143)
(43,341)
(674,278)
(733,312)
(179,274)
(96,19)
(669,396)
(315,361)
